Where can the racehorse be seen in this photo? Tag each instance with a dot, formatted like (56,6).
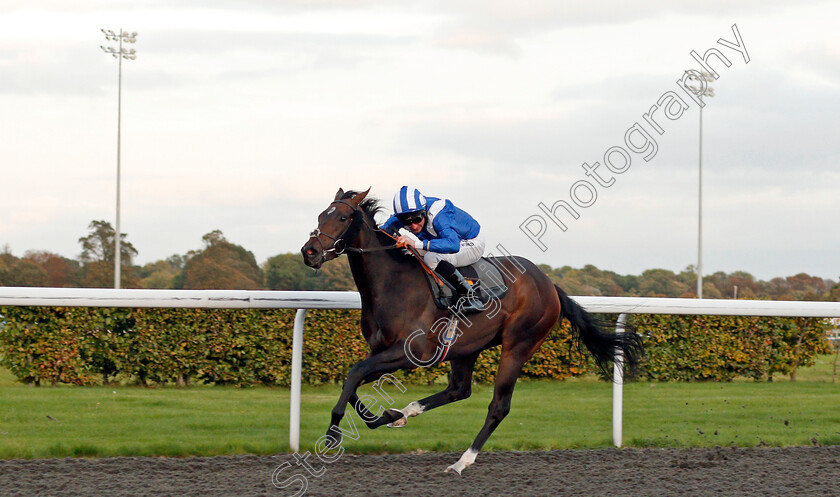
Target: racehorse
(396,301)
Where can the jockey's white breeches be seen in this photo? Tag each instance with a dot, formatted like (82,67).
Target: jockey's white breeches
(470,252)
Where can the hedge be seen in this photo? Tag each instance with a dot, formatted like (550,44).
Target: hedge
(696,348)
(87,346)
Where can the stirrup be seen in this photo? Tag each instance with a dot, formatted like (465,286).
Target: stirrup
(468,305)
(469,302)
(466,296)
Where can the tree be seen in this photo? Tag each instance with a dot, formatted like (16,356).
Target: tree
(61,272)
(586,281)
(834,294)
(97,257)
(286,272)
(221,265)
(804,287)
(719,279)
(162,273)
(20,272)
(661,283)
(99,244)
(333,276)
(748,288)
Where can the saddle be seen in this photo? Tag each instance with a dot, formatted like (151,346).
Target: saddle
(486,279)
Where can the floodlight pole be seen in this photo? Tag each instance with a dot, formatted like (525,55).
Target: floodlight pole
(120,54)
(117,237)
(700,211)
(707,91)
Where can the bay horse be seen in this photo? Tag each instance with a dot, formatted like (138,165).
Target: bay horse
(396,301)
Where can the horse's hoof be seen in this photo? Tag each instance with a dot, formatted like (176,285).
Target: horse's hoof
(466,460)
(333,438)
(400,422)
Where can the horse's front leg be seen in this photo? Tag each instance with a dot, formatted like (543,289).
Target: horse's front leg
(374,366)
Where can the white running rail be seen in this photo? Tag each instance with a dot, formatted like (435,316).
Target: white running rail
(259,299)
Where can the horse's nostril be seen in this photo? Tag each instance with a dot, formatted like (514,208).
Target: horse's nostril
(310,251)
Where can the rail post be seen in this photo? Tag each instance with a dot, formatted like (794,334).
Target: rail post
(618,385)
(297,367)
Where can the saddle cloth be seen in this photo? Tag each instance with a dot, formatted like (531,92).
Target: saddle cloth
(486,278)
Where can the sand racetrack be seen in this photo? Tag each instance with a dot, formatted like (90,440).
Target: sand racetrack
(662,472)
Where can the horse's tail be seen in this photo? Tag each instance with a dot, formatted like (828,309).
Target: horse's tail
(603,344)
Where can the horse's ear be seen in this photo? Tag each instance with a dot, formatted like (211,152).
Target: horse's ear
(360,196)
(339,193)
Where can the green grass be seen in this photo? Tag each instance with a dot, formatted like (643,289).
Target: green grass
(6,378)
(122,421)
(822,370)
(201,420)
(742,414)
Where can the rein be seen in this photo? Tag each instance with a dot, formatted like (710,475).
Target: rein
(340,245)
(369,250)
(416,255)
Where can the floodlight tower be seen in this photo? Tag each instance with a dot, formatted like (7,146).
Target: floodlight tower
(119,53)
(703,91)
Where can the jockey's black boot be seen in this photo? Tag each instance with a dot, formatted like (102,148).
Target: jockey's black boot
(466,298)
(467,294)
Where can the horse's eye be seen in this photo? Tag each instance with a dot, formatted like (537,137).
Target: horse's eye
(344,218)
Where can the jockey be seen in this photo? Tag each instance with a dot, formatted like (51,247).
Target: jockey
(449,238)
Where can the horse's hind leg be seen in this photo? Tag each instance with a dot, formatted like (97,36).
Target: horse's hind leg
(371,419)
(510,366)
(460,388)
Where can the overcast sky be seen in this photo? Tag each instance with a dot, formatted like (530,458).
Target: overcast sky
(247,116)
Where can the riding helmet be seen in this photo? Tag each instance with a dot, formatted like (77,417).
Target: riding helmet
(408,200)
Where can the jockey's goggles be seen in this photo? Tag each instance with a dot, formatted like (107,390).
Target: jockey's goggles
(411,218)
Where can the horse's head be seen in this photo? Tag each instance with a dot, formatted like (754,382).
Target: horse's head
(338,226)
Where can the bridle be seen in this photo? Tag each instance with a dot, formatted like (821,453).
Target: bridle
(339,245)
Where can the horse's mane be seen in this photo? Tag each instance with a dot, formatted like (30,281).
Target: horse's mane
(370,205)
